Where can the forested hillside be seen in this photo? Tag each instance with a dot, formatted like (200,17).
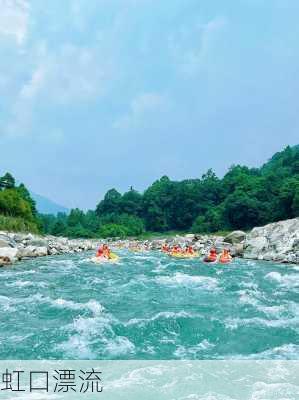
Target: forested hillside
(17,208)
(243,198)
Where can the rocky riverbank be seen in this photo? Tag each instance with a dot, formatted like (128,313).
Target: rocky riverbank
(274,242)
(277,242)
(17,246)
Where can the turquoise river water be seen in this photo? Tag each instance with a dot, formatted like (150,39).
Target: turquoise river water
(148,306)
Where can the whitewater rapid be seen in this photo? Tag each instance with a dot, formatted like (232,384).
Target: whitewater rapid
(148,306)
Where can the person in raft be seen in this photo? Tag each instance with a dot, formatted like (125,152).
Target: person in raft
(176,249)
(100,252)
(189,250)
(106,251)
(225,257)
(103,251)
(212,256)
(165,248)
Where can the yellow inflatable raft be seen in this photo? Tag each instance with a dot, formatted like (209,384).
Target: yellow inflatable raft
(183,255)
(99,260)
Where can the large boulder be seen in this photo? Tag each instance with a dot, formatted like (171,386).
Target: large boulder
(38,242)
(6,241)
(235,237)
(41,251)
(19,237)
(27,237)
(32,251)
(237,250)
(8,255)
(52,251)
(190,236)
(278,241)
(27,251)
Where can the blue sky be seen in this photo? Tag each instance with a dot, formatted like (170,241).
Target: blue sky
(112,93)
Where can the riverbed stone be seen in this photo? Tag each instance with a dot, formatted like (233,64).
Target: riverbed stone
(235,237)
(38,242)
(237,250)
(4,243)
(33,251)
(8,255)
(7,241)
(274,242)
(41,251)
(190,236)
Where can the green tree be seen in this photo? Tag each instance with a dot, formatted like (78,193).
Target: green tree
(12,204)
(295,205)
(76,217)
(131,203)
(7,181)
(59,229)
(243,198)
(132,224)
(112,231)
(157,201)
(47,222)
(287,197)
(241,211)
(24,192)
(92,221)
(110,204)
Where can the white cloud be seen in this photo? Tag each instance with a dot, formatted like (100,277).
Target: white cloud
(141,108)
(66,76)
(20,121)
(70,74)
(192,47)
(22,112)
(14,16)
(30,89)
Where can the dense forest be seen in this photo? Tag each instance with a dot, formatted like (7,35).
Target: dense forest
(17,208)
(243,198)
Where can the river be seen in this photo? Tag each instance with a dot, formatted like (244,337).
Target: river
(148,306)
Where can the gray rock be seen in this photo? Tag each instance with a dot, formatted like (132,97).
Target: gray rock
(4,243)
(237,250)
(28,237)
(41,251)
(274,242)
(26,251)
(28,245)
(38,242)
(7,241)
(190,236)
(53,251)
(19,237)
(32,251)
(8,255)
(235,237)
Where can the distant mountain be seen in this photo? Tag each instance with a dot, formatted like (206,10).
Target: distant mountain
(47,206)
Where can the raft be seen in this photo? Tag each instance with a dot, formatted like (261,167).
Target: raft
(114,258)
(225,261)
(207,261)
(182,255)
